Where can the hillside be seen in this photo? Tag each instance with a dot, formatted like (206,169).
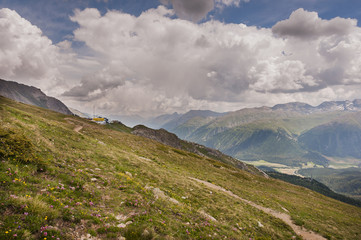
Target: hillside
(314,185)
(31,95)
(334,139)
(172,140)
(344,181)
(68,178)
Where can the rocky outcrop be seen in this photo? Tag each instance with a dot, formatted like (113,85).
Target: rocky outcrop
(31,95)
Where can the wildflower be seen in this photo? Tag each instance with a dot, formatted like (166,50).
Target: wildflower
(26,213)
(15,235)
(45,233)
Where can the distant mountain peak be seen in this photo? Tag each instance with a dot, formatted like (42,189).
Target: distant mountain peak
(346,105)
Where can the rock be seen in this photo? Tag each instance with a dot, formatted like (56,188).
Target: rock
(53,228)
(207,216)
(88,237)
(121,217)
(121,225)
(160,194)
(145,233)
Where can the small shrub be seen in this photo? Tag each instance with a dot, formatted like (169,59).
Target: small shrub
(16,147)
(92,232)
(138,233)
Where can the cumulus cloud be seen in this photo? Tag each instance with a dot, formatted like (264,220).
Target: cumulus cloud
(25,54)
(172,63)
(154,63)
(307,25)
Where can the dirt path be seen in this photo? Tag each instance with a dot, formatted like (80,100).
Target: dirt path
(78,128)
(304,233)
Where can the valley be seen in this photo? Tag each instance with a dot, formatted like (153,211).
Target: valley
(289,138)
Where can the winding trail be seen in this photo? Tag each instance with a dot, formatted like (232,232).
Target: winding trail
(304,233)
(78,128)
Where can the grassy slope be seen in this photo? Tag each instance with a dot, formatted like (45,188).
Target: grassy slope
(314,185)
(57,181)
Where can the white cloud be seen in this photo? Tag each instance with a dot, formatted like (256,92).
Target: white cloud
(25,54)
(173,63)
(154,63)
(280,76)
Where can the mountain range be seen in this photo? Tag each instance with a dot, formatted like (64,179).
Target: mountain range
(69,178)
(290,134)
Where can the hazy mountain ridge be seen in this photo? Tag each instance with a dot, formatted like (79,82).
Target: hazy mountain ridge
(31,95)
(280,134)
(334,139)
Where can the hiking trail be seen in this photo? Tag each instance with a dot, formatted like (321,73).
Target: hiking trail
(304,233)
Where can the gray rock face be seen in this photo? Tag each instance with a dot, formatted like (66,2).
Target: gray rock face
(31,95)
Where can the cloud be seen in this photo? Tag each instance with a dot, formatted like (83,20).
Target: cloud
(196,10)
(175,64)
(25,54)
(307,25)
(193,10)
(154,63)
(96,85)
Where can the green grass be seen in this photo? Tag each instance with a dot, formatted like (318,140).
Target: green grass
(58,182)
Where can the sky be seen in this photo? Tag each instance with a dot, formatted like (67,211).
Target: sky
(153,57)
